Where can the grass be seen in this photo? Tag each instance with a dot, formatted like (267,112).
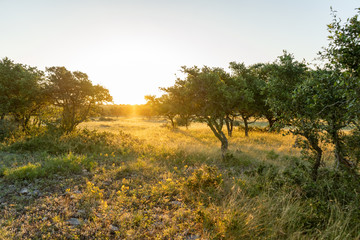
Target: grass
(141,180)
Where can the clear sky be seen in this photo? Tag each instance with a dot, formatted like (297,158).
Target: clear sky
(132,47)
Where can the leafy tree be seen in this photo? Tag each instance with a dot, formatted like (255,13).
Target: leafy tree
(177,97)
(163,106)
(285,74)
(342,55)
(249,85)
(317,110)
(301,116)
(21,92)
(329,100)
(209,98)
(291,98)
(262,73)
(74,93)
(343,50)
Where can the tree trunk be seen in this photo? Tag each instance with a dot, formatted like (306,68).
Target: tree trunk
(216,128)
(271,122)
(341,161)
(314,144)
(246,125)
(224,146)
(317,162)
(229,125)
(172,122)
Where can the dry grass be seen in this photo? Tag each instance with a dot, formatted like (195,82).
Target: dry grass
(198,138)
(152,182)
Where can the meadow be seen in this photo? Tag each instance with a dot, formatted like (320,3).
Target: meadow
(137,178)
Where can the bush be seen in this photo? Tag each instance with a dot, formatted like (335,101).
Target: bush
(29,171)
(41,143)
(7,129)
(79,142)
(65,165)
(204,178)
(204,185)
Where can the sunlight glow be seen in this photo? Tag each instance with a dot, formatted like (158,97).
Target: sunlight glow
(133,48)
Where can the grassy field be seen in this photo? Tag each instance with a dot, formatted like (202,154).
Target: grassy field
(133,178)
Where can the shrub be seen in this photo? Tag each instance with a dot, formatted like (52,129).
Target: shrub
(204,185)
(2,171)
(80,142)
(65,165)
(29,171)
(204,178)
(41,143)
(7,129)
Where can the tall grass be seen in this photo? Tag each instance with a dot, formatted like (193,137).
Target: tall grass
(152,182)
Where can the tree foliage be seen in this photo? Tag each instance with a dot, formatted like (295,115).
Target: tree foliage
(74,93)
(343,54)
(21,92)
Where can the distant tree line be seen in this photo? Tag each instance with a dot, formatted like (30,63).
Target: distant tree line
(56,98)
(126,110)
(314,103)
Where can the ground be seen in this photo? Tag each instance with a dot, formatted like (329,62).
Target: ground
(140,179)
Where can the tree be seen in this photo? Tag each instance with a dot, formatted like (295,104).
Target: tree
(163,106)
(209,98)
(293,97)
(249,85)
(177,97)
(262,73)
(74,93)
(301,116)
(343,53)
(330,101)
(21,92)
(285,74)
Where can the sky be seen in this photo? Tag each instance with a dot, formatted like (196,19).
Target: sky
(133,47)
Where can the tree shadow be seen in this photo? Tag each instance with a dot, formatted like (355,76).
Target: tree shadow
(189,135)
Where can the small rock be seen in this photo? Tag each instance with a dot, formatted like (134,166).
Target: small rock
(45,218)
(77,191)
(72,197)
(113,228)
(24,191)
(81,212)
(177,203)
(36,193)
(193,237)
(74,221)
